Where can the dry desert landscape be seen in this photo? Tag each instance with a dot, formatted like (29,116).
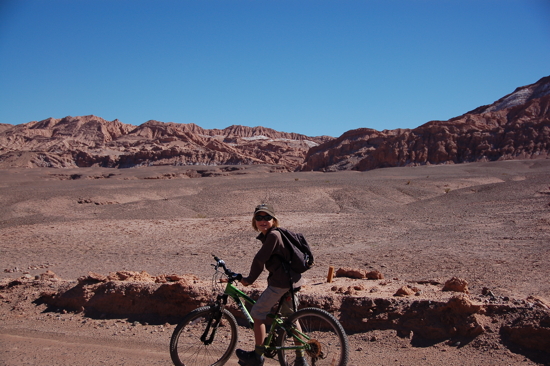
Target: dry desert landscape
(86,253)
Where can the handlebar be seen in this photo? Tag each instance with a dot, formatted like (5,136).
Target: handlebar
(232,276)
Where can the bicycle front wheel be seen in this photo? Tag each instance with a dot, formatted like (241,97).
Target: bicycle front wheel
(325,341)
(200,340)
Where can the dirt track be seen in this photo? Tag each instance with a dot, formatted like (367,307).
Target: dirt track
(488,223)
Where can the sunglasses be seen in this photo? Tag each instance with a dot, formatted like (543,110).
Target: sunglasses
(263,217)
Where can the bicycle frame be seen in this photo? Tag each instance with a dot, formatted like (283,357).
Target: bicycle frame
(238,296)
(308,335)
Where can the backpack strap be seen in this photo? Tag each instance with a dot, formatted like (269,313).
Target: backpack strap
(286,267)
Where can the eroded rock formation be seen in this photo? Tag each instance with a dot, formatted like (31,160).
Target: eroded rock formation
(516,126)
(524,323)
(92,141)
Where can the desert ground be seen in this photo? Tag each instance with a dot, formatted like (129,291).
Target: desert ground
(487,223)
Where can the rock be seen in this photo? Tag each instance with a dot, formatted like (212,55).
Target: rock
(92,278)
(374,275)
(358,273)
(48,275)
(88,141)
(425,319)
(351,273)
(516,126)
(456,284)
(531,330)
(461,304)
(130,276)
(404,291)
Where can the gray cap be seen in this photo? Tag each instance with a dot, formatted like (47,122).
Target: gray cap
(267,208)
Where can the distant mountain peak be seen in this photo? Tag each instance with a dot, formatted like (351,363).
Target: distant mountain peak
(520,96)
(516,126)
(93,141)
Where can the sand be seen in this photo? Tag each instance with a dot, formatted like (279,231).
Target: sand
(487,223)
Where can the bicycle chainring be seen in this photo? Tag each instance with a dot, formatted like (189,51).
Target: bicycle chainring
(270,353)
(314,349)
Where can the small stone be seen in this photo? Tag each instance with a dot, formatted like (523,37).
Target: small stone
(457,285)
(404,291)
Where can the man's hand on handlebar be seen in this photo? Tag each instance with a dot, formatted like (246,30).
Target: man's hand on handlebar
(245,282)
(231,276)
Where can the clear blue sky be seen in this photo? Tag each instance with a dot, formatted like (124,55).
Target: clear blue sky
(316,67)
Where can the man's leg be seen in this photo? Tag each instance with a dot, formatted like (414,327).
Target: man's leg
(259,312)
(259,332)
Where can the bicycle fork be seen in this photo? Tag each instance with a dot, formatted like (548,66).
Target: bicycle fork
(212,324)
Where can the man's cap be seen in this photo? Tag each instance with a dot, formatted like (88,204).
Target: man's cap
(267,208)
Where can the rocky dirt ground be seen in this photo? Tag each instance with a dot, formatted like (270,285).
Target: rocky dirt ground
(485,223)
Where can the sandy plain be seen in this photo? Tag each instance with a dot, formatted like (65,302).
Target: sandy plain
(488,223)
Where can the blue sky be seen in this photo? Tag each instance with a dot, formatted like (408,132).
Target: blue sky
(316,67)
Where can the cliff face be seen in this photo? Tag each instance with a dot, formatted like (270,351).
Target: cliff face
(92,141)
(515,126)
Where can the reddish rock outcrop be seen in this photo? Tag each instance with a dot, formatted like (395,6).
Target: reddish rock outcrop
(531,332)
(359,273)
(456,284)
(92,141)
(124,294)
(515,126)
(404,291)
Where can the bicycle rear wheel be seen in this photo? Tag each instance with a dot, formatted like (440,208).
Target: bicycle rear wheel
(327,343)
(217,346)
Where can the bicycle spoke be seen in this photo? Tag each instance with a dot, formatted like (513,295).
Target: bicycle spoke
(186,347)
(325,340)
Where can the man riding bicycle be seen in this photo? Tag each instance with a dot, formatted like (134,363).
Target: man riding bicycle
(270,256)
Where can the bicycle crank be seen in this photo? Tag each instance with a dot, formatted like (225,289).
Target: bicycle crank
(314,349)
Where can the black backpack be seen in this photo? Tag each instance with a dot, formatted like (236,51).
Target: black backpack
(301,258)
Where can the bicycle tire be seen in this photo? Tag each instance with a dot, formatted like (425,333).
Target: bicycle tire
(186,347)
(328,344)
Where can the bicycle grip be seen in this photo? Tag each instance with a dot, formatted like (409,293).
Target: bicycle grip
(236,276)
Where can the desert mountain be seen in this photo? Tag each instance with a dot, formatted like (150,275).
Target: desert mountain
(516,126)
(92,141)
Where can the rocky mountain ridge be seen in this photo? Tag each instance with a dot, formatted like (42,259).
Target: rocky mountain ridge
(516,126)
(92,141)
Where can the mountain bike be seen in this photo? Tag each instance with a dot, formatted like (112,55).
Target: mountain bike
(208,335)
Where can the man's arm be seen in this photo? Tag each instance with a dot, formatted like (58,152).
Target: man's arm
(263,255)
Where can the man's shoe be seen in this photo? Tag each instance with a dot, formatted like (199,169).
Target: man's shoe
(300,361)
(250,358)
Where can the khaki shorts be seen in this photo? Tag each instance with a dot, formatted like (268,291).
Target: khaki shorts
(269,298)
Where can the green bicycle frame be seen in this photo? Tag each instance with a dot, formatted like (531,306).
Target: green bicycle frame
(238,296)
